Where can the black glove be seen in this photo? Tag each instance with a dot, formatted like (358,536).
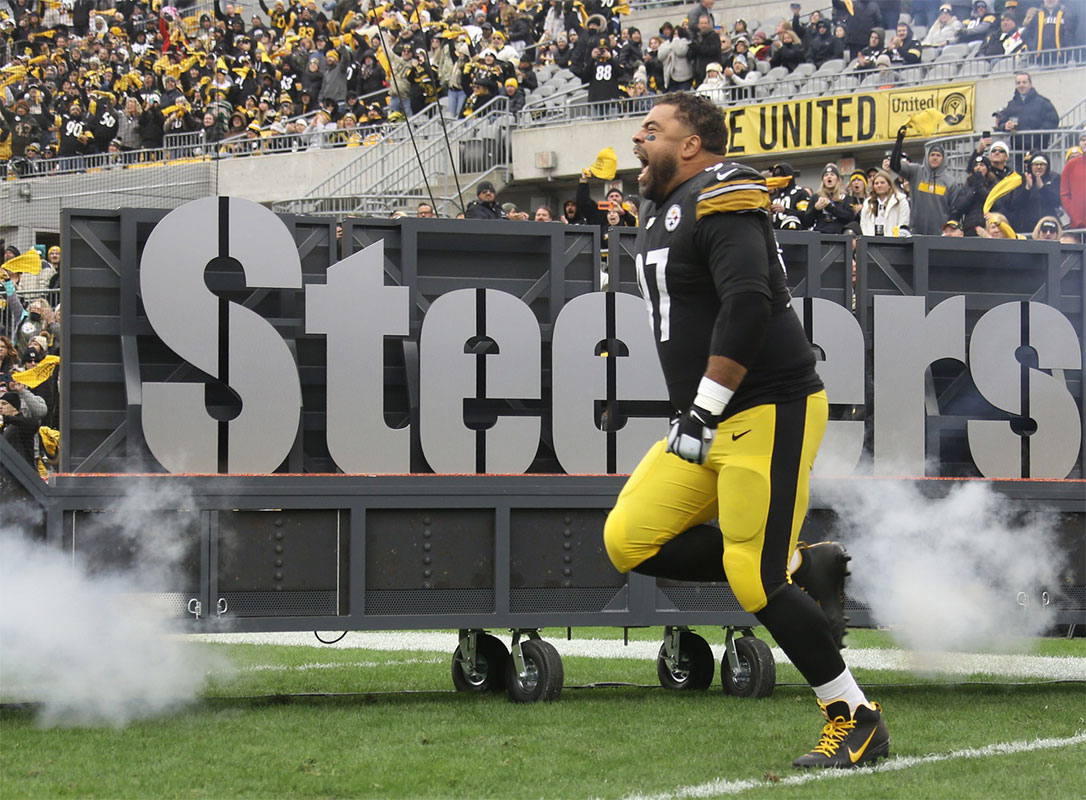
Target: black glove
(691,434)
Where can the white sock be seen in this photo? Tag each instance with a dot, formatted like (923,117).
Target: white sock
(843,687)
(794,561)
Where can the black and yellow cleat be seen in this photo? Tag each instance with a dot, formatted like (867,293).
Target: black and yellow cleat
(821,574)
(848,740)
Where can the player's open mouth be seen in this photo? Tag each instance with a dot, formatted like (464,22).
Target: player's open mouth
(643,175)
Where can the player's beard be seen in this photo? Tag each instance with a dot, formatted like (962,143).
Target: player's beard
(658,177)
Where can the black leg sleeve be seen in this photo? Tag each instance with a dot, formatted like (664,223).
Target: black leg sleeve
(696,554)
(803,632)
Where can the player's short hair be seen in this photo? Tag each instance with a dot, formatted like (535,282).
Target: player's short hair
(702,116)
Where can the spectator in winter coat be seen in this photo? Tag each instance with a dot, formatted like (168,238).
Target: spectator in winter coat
(632,55)
(1027,111)
(790,54)
(1038,196)
(822,45)
(944,30)
(968,201)
(929,187)
(886,211)
(514,96)
(485,206)
(829,211)
(1005,39)
(865,16)
(678,71)
(740,63)
(704,48)
(1053,26)
(714,86)
(1073,185)
(979,25)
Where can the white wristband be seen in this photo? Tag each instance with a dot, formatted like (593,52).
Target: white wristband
(712,396)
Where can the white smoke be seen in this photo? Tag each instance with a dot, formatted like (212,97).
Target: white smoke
(87,641)
(956,573)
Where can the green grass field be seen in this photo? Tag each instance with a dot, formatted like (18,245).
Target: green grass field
(297,721)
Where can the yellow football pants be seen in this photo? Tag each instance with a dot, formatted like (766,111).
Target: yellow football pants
(755,482)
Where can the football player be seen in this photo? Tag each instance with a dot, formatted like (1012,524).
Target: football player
(751,411)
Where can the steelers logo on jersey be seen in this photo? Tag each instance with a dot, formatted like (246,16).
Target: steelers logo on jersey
(673,218)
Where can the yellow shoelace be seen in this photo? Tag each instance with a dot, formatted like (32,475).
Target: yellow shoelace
(833,733)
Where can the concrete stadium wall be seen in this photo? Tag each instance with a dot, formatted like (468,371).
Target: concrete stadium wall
(268,178)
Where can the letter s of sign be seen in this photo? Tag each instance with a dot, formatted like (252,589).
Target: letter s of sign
(1004,342)
(226,340)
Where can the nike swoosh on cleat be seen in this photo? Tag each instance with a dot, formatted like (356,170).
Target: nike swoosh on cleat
(737,436)
(855,755)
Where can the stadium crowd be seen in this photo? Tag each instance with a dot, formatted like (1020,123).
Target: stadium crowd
(30,353)
(109,77)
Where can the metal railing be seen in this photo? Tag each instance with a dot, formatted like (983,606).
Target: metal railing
(759,88)
(1053,144)
(1075,116)
(474,145)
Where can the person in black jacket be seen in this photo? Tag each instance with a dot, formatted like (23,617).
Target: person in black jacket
(1027,111)
(589,212)
(822,45)
(514,96)
(704,47)
(829,211)
(790,54)
(865,16)
(632,54)
(1037,197)
(968,202)
(486,205)
(904,48)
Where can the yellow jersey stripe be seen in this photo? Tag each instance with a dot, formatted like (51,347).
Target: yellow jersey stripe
(737,200)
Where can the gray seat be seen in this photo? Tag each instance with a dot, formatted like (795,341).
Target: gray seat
(928,54)
(831,67)
(763,66)
(977,69)
(954,52)
(911,74)
(563,74)
(544,90)
(777,73)
(804,69)
(920,31)
(845,83)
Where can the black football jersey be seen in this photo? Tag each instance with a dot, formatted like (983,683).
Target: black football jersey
(710,239)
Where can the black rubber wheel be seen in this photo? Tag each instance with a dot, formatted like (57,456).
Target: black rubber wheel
(544,674)
(757,670)
(491,658)
(695,668)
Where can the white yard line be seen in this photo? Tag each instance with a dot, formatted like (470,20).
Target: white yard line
(998,665)
(720,788)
